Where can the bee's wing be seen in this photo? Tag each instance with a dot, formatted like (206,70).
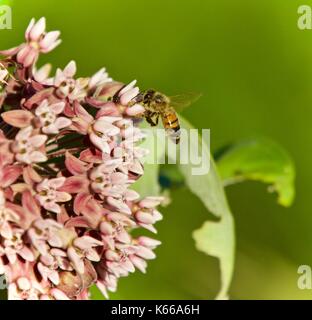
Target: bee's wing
(182,101)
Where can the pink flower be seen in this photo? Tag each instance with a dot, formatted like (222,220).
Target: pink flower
(49,196)
(24,284)
(37,41)
(69,156)
(126,96)
(131,159)
(115,229)
(23,289)
(122,260)
(120,203)
(27,146)
(18,118)
(56,258)
(14,245)
(3,74)
(137,259)
(45,233)
(47,114)
(67,86)
(8,175)
(99,78)
(6,215)
(146,214)
(48,273)
(108,182)
(108,281)
(128,93)
(30,289)
(42,75)
(101,132)
(83,248)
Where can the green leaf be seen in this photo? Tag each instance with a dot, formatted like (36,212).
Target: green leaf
(213,238)
(217,239)
(259,159)
(208,187)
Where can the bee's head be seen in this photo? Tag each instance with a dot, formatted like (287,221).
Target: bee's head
(148,95)
(155,98)
(159,98)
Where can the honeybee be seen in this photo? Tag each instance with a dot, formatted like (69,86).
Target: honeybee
(158,105)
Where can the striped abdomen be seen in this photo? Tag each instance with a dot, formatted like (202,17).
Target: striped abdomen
(171,124)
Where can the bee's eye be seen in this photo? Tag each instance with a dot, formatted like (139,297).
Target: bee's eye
(158,99)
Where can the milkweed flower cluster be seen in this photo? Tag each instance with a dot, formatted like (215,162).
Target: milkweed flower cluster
(69,155)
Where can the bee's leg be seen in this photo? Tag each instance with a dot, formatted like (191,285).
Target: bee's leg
(148,117)
(150,121)
(152,118)
(156,119)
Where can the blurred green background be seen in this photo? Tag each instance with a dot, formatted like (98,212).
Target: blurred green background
(254,67)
